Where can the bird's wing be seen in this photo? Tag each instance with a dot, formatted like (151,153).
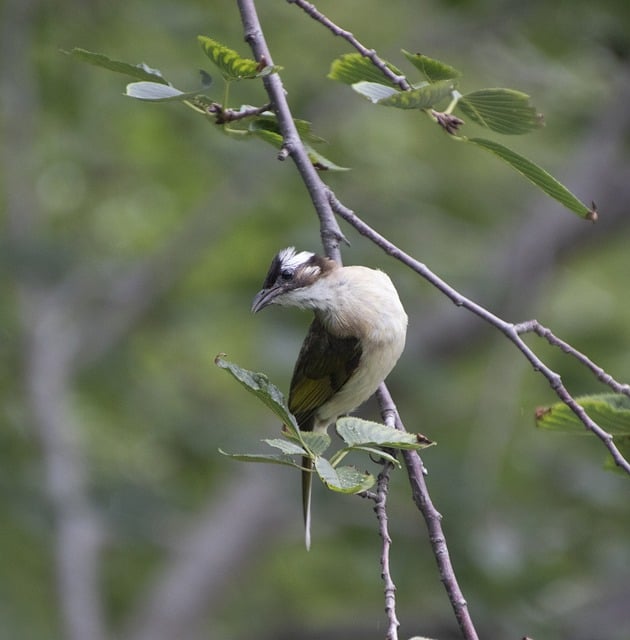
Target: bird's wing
(324,365)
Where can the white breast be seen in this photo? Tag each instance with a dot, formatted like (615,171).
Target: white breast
(361,302)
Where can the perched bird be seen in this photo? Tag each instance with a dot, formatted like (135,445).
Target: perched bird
(354,341)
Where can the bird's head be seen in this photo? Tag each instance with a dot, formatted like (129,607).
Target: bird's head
(290,277)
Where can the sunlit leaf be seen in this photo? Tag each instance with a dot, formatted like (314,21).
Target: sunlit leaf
(502,110)
(433,70)
(609,410)
(342,479)
(230,63)
(359,432)
(140,71)
(537,175)
(424,97)
(351,68)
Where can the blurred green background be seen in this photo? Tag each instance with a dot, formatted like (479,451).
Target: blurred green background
(134,237)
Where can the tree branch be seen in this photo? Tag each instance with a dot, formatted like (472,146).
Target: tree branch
(370,54)
(432,518)
(511,331)
(330,232)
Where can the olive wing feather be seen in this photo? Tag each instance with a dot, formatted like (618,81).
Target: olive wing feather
(324,365)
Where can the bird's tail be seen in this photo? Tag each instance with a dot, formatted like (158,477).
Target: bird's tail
(307,481)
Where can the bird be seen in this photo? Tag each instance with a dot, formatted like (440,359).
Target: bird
(354,341)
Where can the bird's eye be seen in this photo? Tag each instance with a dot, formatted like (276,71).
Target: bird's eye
(286,274)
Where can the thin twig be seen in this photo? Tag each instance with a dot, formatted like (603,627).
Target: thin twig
(380,508)
(317,15)
(292,145)
(511,331)
(224,114)
(379,497)
(433,520)
(533,326)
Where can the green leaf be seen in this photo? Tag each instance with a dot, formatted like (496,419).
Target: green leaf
(322,162)
(139,71)
(357,432)
(316,441)
(231,64)
(502,110)
(611,412)
(541,178)
(266,128)
(422,97)
(342,479)
(377,453)
(268,393)
(433,70)
(374,91)
(158,92)
(351,68)
(267,123)
(257,457)
(286,446)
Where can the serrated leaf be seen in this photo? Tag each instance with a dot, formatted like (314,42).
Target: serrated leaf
(357,432)
(351,68)
(505,111)
(258,457)
(433,70)
(286,446)
(316,441)
(541,178)
(424,97)
(374,91)
(609,410)
(342,479)
(140,71)
(156,92)
(263,389)
(231,64)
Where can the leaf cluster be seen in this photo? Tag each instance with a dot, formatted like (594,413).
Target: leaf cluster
(611,411)
(500,110)
(241,122)
(358,435)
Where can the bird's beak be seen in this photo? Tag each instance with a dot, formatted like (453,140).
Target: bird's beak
(264,298)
